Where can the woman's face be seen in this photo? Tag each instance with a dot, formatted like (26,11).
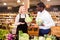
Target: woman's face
(22,9)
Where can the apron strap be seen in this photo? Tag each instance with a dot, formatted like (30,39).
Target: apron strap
(20,16)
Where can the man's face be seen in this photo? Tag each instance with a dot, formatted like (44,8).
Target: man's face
(40,8)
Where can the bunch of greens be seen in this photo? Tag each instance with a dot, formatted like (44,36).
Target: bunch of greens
(3,34)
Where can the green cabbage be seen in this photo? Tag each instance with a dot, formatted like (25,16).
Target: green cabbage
(50,37)
(41,38)
(23,36)
(39,21)
(36,38)
(28,19)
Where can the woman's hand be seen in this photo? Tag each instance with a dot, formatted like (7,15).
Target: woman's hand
(22,23)
(19,23)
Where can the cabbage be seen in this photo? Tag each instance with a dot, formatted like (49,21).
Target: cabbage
(23,36)
(39,21)
(48,38)
(41,38)
(28,19)
(36,38)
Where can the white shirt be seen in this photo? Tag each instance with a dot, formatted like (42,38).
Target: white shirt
(17,18)
(46,17)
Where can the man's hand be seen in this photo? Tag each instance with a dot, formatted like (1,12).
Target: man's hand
(42,25)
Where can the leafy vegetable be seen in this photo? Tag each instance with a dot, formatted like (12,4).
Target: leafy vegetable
(41,38)
(36,38)
(39,21)
(50,37)
(28,19)
(3,33)
(23,36)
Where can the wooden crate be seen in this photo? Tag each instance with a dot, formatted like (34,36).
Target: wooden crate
(55,31)
(33,30)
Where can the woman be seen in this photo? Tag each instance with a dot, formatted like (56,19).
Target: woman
(20,21)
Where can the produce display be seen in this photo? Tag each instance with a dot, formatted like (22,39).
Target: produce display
(50,37)
(3,34)
(36,38)
(11,26)
(23,36)
(41,38)
(45,37)
(9,36)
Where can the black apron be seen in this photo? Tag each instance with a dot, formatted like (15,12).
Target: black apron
(22,27)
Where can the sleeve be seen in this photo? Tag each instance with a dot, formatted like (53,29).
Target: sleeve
(49,21)
(17,20)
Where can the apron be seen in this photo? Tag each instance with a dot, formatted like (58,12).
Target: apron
(22,27)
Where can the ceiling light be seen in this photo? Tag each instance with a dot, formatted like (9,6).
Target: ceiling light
(4,3)
(9,7)
(18,1)
(48,0)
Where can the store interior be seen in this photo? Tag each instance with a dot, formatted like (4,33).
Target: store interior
(9,10)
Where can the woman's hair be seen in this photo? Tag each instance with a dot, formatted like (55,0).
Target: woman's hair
(20,8)
(21,5)
(41,4)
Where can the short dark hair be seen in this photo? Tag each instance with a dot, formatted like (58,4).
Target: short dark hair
(41,4)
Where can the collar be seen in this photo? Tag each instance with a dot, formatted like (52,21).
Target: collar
(41,12)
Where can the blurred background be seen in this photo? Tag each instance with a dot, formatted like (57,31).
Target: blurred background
(9,10)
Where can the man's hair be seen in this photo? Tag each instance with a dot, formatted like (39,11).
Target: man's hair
(41,4)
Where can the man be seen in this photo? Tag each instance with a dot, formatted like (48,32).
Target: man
(46,18)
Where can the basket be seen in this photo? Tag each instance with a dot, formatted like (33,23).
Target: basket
(55,31)
(33,29)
